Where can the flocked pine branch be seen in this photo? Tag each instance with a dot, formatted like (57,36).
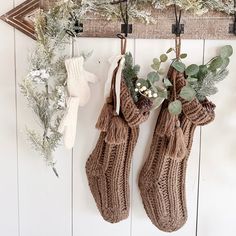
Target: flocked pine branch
(207,87)
(197,6)
(44,87)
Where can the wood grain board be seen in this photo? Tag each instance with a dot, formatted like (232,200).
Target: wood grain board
(213,25)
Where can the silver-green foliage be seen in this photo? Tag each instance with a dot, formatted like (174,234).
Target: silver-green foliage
(155,85)
(201,79)
(44,87)
(204,78)
(207,86)
(197,6)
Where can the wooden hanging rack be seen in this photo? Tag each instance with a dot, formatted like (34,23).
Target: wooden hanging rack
(213,25)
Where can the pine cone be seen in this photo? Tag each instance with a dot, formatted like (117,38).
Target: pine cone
(144,104)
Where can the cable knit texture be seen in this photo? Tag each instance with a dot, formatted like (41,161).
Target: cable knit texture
(162,179)
(108,167)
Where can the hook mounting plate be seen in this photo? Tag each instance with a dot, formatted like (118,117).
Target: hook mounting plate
(232,28)
(178,29)
(78,28)
(126,28)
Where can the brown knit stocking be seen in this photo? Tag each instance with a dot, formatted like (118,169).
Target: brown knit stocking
(108,167)
(162,178)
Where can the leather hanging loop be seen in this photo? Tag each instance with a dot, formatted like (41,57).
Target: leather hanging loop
(123,41)
(178,46)
(123,46)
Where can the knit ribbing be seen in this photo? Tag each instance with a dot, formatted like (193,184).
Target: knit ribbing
(108,167)
(162,179)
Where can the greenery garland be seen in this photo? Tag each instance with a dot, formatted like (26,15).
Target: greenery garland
(138,8)
(197,6)
(45,88)
(201,80)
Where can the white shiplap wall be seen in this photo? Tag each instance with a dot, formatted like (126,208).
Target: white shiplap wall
(35,203)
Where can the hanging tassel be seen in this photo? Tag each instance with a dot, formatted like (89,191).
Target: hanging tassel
(105,117)
(117,131)
(176,148)
(166,124)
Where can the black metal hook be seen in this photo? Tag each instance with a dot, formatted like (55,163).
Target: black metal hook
(232,27)
(126,28)
(177,28)
(77,26)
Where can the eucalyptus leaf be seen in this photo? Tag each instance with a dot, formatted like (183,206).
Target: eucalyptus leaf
(163,58)
(167,82)
(170,50)
(153,77)
(203,68)
(156,66)
(162,92)
(179,66)
(192,70)
(175,108)
(216,64)
(225,64)
(187,93)
(192,80)
(153,89)
(183,55)
(156,61)
(226,51)
(203,71)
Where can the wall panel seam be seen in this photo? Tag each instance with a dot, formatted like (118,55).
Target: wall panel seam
(132,176)
(200,158)
(72,53)
(17,136)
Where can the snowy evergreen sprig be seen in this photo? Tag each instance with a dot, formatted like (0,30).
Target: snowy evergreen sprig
(44,86)
(138,8)
(199,7)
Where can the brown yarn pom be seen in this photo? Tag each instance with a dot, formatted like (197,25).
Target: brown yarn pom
(176,148)
(105,117)
(117,131)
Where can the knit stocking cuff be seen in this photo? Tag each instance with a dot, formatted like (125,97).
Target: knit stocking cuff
(131,113)
(199,113)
